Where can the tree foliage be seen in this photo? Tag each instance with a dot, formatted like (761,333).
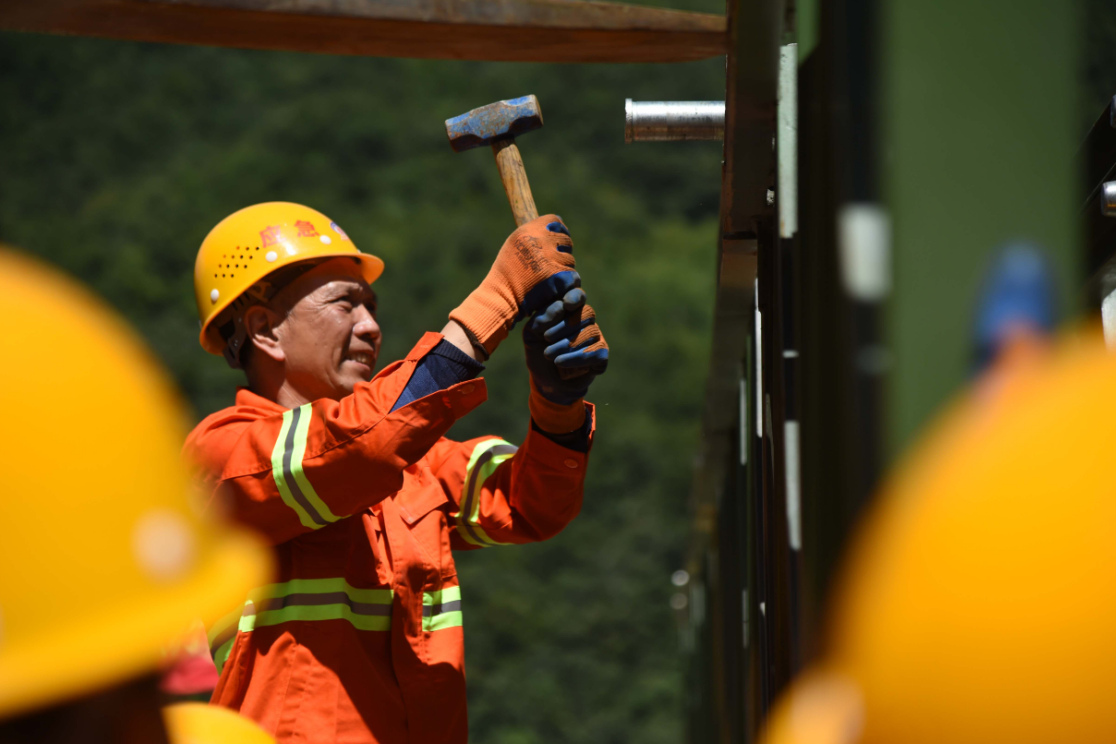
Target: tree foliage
(118,157)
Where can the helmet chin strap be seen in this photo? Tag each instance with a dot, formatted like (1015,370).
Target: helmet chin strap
(233,330)
(235,341)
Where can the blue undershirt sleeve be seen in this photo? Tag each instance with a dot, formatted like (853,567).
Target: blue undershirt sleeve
(444,366)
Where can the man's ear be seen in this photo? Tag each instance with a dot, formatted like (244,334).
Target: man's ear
(260,323)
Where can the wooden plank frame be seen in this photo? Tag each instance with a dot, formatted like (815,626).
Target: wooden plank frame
(494,30)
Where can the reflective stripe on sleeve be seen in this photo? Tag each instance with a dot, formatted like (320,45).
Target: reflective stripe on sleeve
(486,457)
(302,599)
(286,467)
(441,609)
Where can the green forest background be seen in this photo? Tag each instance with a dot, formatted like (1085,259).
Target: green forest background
(117,158)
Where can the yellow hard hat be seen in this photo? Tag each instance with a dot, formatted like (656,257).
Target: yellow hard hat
(105,557)
(980,602)
(250,245)
(823,707)
(198,723)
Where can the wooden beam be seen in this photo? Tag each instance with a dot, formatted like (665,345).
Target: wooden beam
(496,30)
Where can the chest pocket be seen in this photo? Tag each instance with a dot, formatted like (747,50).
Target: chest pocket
(420,495)
(423,507)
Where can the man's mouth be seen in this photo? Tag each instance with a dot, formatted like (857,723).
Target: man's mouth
(363,358)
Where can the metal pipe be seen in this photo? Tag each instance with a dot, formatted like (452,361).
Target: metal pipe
(673,121)
(1108,199)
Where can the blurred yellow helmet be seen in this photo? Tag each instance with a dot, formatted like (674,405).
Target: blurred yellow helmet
(244,249)
(105,558)
(198,723)
(979,603)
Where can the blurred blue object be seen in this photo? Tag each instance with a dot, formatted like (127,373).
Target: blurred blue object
(1018,296)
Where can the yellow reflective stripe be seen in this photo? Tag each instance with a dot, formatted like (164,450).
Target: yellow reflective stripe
(302,599)
(480,449)
(482,464)
(286,465)
(223,634)
(336,611)
(481,538)
(278,457)
(301,433)
(221,655)
(443,621)
(486,470)
(449,594)
(248,620)
(225,623)
(441,609)
(469,539)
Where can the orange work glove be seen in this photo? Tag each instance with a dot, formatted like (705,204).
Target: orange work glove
(556,418)
(535,266)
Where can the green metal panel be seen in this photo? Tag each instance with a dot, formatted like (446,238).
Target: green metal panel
(980,102)
(807,26)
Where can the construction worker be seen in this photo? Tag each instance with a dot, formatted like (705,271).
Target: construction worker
(106,559)
(979,601)
(349,475)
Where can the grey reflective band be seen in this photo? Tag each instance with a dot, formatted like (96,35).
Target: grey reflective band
(329,598)
(288,476)
(432,610)
(286,467)
(486,458)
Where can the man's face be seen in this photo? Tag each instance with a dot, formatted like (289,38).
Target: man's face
(329,335)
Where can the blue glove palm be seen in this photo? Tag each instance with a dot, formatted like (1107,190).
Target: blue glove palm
(565,348)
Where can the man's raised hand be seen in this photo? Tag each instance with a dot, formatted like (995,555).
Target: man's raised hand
(534,267)
(565,352)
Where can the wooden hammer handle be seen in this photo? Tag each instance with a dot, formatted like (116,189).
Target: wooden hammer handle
(514,176)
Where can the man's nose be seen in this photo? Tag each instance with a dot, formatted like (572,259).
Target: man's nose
(366,325)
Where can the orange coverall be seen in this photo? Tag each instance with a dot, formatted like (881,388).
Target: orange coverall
(360,639)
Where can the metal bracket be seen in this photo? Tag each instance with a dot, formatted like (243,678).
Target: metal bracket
(1108,198)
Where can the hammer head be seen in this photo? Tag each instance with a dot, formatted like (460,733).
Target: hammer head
(500,120)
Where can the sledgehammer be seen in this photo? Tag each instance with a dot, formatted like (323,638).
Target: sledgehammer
(498,124)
